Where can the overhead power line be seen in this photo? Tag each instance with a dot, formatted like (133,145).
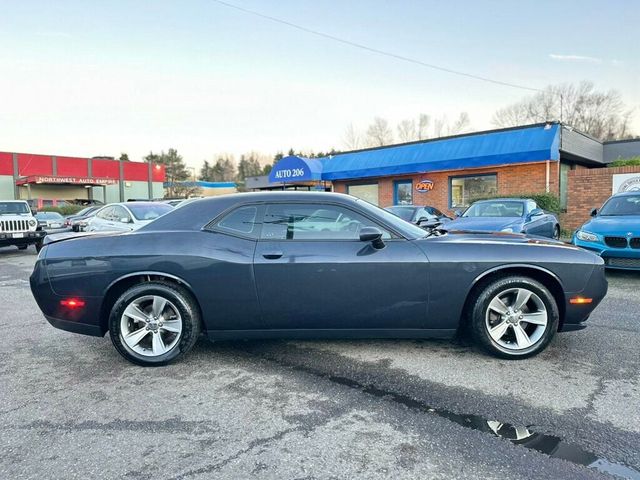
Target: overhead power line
(375,50)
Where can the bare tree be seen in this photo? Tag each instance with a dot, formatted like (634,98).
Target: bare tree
(424,121)
(379,133)
(407,131)
(461,125)
(440,126)
(352,138)
(601,114)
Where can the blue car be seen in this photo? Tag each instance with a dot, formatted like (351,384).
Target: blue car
(509,215)
(614,231)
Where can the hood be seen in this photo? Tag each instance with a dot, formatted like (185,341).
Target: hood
(461,236)
(614,225)
(485,224)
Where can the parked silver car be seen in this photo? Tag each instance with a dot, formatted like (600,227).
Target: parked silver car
(127,216)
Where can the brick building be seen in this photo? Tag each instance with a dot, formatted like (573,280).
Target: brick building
(449,173)
(47,179)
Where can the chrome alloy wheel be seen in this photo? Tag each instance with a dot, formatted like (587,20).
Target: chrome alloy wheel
(516,319)
(150,325)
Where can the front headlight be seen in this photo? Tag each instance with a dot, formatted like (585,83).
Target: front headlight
(507,230)
(32,223)
(586,236)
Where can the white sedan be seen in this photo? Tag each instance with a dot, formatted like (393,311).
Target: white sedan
(126,216)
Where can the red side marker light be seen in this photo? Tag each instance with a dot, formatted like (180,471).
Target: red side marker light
(72,303)
(580,300)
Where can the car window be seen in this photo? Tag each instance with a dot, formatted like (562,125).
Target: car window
(105,213)
(308,222)
(119,213)
(146,211)
(622,205)
(495,209)
(241,220)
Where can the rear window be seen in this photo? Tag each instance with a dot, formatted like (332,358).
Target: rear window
(148,211)
(241,220)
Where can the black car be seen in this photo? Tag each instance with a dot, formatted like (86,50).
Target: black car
(423,216)
(306,264)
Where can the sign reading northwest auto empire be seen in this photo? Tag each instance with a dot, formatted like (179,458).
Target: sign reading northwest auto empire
(626,182)
(72,180)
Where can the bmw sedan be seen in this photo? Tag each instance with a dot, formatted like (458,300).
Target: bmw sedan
(126,216)
(248,266)
(510,215)
(614,231)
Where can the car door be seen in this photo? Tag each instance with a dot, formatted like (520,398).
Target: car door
(534,225)
(324,277)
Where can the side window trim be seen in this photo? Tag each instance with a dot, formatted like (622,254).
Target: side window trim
(394,235)
(213,226)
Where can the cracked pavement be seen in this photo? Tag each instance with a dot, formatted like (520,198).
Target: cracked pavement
(71,407)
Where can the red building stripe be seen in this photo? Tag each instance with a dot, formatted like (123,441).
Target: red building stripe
(6,163)
(105,168)
(72,167)
(135,171)
(30,164)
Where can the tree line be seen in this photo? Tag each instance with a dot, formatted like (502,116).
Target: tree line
(600,114)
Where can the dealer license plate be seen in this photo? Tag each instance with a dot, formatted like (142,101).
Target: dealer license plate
(18,235)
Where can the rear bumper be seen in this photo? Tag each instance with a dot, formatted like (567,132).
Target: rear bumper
(75,327)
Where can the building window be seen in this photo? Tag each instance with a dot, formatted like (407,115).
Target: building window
(368,192)
(403,192)
(464,190)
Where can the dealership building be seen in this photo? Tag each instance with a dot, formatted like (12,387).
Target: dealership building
(46,179)
(451,172)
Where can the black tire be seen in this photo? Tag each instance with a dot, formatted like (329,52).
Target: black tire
(23,247)
(556,232)
(38,247)
(486,292)
(180,298)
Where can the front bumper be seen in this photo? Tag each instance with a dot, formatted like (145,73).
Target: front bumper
(28,238)
(616,258)
(576,314)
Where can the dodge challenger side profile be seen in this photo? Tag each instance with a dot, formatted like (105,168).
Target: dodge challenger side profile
(310,265)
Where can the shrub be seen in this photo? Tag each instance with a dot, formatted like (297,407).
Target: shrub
(626,162)
(64,210)
(546,201)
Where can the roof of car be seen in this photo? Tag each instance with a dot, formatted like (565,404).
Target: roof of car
(510,199)
(628,192)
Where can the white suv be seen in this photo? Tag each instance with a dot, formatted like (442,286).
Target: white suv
(18,226)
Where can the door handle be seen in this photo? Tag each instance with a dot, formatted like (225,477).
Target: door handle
(272,255)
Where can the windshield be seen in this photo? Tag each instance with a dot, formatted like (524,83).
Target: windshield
(146,211)
(408,229)
(48,216)
(495,209)
(405,213)
(623,205)
(13,208)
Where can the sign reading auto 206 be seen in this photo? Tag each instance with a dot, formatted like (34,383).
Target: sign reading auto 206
(290,173)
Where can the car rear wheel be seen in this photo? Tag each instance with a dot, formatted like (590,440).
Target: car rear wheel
(514,317)
(154,323)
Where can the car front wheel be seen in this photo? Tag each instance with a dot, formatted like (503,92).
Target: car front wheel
(154,323)
(514,317)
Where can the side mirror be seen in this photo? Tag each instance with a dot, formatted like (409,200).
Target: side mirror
(422,219)
(458,213)
(373,235)
(125,220)
(536,212)
(594,212)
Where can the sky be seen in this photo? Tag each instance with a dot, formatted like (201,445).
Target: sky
(100,78)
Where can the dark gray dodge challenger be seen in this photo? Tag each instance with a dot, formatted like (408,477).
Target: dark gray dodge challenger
(300,265)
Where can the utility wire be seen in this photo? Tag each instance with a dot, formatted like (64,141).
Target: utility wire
(375,50)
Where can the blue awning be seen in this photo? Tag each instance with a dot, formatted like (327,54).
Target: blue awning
(296,169)
(502,147)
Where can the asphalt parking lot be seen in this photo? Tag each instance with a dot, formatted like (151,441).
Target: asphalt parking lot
(71,407)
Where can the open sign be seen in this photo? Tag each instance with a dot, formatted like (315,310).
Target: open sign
(424,186)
